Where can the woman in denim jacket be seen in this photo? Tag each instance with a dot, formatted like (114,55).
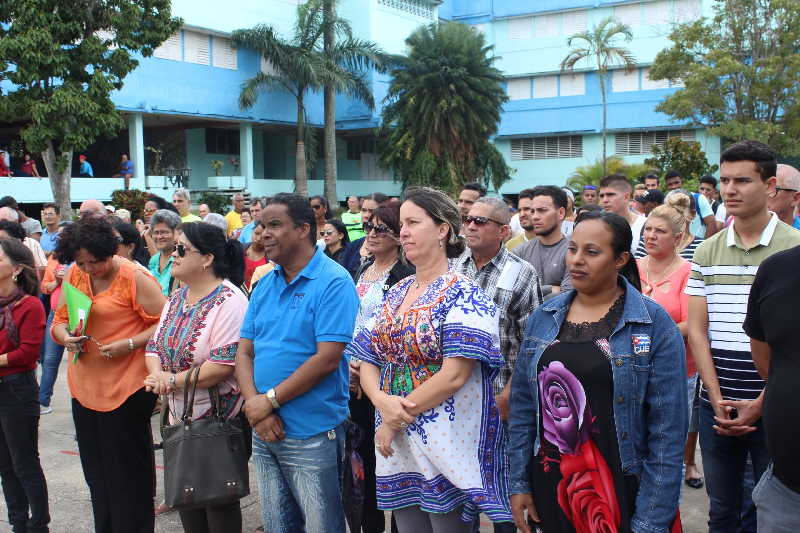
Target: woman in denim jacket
(598,398)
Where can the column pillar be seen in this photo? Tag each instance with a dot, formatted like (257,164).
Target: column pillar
(136,145)
(246,152)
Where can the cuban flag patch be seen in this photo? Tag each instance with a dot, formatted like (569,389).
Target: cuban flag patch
(641,344)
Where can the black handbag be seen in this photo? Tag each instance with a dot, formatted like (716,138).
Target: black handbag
(205,462)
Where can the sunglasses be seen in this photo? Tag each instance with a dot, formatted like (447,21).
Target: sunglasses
(316,206)
(182,250)
(328,232)
(380,229)
(479,221)
(779,189)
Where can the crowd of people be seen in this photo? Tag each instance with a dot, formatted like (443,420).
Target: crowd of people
(551,365)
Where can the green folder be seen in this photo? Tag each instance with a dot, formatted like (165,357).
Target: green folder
(78,306)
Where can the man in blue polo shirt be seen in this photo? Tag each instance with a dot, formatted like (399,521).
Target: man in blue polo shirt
(293,375)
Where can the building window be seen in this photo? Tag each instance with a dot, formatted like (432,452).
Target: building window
(358,146)
(642,142)
(575,22)
(220,141)
(518,88)
(573,84)
(562,147)
(224,54)
(648,84)
(545,87)
(624,81)
(521,28)
(657,13)
(686,10)
(420,8)
(170,49)
(196,48)
(548,25)
(629,14)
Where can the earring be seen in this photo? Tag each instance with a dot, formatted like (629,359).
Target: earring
(441,245)
(14,278)
(204,268)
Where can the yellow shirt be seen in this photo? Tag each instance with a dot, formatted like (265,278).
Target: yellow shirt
(234,221)
(516,241)
(190,217)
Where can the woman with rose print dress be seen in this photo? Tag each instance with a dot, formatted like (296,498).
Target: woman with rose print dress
(598,403)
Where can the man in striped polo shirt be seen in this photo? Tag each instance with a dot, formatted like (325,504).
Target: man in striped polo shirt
(722,272)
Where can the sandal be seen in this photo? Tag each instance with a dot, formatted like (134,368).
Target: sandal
(162,508)
(694,482)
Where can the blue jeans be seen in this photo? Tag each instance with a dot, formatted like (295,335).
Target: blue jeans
(300,482)
(777,505)
(724,463)
(51,360)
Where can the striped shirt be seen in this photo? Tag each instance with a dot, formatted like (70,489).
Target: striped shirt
(514,287)
(687,253)
(722,272)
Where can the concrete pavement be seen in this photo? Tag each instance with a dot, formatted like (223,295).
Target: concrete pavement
(70,506)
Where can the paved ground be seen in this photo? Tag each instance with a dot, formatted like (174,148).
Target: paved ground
(70,506)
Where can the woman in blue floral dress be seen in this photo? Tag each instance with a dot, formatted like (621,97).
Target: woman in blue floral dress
(429,355)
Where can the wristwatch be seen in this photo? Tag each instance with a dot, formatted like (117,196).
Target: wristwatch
(172,380)
(273,399)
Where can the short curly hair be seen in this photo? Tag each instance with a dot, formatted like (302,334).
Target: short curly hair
(94,234)
(13,229)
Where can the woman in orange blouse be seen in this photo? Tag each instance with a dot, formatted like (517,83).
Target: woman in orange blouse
(110,407)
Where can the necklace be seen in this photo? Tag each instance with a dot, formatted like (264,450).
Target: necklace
(372,273)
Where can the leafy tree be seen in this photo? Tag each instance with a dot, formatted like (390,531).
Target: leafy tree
(217,203)
(300,65)
(684,156)
(599,47)
(593,173)
(131,199)
(63,62)
(740,70)
(444,104)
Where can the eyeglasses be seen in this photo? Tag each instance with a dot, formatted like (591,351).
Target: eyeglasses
(380,229)
(779,189)
(328,232)
(479,221)
(182,250)
(316,206)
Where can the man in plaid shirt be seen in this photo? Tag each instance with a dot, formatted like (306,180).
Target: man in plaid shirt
(510,282)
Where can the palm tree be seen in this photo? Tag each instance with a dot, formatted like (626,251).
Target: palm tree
(444,105)
(599,46)
(301,65)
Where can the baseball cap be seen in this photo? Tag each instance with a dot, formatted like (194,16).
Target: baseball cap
(110,208)
(653,195)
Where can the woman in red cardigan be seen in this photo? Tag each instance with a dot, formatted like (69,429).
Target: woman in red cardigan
(21,333)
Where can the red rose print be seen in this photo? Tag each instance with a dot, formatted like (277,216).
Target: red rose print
(586,493)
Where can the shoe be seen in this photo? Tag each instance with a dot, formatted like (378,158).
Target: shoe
(45,409)
(694,482)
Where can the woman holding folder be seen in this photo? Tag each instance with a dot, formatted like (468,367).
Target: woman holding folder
(110,407)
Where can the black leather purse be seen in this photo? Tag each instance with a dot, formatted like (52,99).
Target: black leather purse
(205,462)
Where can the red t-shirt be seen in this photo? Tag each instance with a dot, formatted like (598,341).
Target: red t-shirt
(250,267)
(28,315)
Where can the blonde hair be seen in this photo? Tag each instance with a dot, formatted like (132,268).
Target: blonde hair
(676,211)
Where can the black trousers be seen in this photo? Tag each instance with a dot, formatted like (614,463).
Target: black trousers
(24,486)
(220,519)
(116,450)
(362,413)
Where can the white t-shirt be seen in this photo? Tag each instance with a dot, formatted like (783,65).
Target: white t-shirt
(516,227)
(722,214)
(39,258)
(636,230)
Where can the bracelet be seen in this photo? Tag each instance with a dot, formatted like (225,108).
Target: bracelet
(131,346)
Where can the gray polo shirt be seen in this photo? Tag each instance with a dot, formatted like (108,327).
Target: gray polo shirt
(548,262)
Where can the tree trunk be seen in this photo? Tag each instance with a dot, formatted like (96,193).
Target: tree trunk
(59,180)
(330,112)
(605,113)
(300,170)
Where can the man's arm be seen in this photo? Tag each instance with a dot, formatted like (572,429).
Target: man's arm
(312,372)
(711,225)
(761,357)
(701,347)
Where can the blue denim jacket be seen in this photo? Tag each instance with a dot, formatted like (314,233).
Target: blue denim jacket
(650,408)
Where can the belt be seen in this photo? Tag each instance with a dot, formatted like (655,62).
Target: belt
(15,377)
